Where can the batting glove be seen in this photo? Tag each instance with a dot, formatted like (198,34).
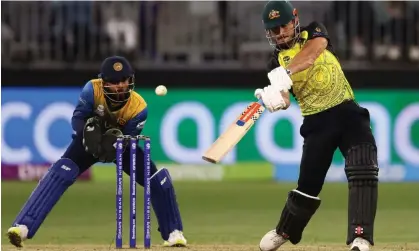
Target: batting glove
(279,77)
(271,97)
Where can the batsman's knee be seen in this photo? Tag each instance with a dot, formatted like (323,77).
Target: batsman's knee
(361,163)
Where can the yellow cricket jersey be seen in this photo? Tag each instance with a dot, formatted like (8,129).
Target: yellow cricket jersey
(324,84)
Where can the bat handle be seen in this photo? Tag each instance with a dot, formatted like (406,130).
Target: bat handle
(260,101)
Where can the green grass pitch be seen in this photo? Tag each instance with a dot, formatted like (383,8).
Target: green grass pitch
(225,215)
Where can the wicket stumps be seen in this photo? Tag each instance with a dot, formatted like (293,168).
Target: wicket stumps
(133,141)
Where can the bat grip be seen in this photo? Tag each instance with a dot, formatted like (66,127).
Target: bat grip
(260,102)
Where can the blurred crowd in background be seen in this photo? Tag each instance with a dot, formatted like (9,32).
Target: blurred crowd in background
(218,34)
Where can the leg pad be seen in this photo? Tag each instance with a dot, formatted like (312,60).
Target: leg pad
(163,200)
(60,176)
(362,173)
(296,214)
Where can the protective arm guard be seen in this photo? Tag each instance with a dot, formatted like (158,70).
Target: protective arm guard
(362,173)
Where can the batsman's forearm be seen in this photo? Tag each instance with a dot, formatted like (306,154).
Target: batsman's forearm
(301,62)
(286,97)
(308,55)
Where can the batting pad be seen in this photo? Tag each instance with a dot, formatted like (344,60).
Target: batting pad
(298,210)
(50,188)
(163,200)
(362,173)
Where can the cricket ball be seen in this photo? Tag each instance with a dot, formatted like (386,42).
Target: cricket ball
(161,90)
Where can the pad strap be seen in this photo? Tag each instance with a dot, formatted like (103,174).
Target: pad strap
(298,210)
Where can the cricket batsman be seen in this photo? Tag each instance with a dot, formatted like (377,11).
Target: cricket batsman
(304,64)
(107,107)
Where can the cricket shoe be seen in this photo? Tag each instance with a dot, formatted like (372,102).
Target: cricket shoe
(17,235)
(360,244)
(271,241)
(176,239)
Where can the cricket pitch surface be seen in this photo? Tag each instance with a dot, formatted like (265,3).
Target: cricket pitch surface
(320,247)
(217,216)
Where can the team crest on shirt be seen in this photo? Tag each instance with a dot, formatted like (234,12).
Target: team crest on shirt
(100,110)
(273,14)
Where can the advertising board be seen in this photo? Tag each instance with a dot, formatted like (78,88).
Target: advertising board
(36,128)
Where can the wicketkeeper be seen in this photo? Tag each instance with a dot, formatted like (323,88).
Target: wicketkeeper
(107,107)
(304,64)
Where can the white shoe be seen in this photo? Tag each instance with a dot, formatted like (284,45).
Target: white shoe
(360,244)
(271,241)
(17,235)
(176,239)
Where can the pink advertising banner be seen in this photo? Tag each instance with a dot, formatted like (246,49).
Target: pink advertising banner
(31,172)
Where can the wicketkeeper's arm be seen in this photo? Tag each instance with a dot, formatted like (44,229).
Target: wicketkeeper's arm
(83,109)
(135,125)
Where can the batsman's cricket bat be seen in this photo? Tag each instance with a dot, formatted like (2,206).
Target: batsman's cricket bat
(234,132)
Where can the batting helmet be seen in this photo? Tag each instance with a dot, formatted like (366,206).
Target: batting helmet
(278,13)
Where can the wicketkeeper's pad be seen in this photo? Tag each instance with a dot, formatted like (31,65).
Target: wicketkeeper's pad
(61,175)
(163,200)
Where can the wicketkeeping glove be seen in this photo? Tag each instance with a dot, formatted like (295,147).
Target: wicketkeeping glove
(108,145)
(92,136)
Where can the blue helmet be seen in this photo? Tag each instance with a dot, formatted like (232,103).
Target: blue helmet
(113,71)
